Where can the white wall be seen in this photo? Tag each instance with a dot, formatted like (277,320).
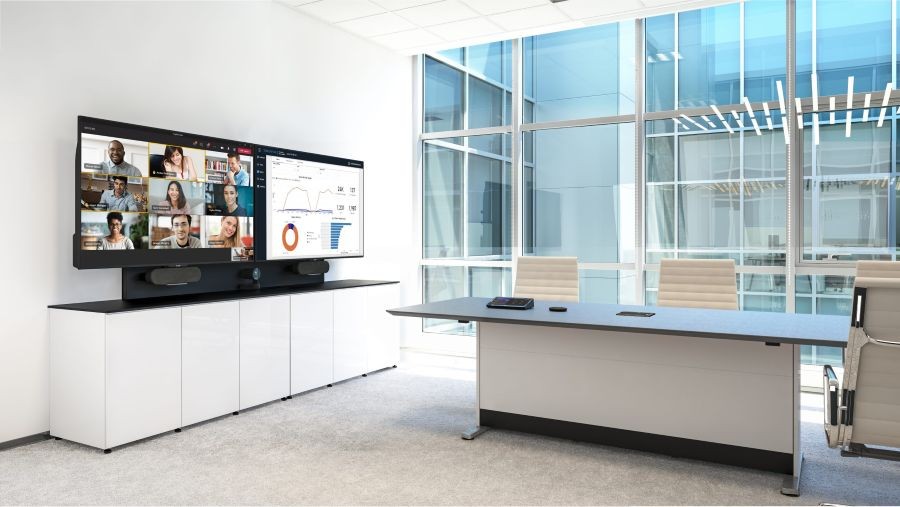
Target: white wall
(254,71)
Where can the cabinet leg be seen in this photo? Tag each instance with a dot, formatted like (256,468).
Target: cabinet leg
(282,399)
(107,451)
(177,430)
(57,438)
(365,374)
(290,397)
(329,385)
(235,413)
(394,366)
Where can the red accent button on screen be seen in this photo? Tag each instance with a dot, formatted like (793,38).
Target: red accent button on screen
(244,151)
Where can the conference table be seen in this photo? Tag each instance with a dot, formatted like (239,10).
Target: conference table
(716,385)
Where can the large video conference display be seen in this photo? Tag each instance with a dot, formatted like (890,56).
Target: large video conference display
(154,197)
(313,205)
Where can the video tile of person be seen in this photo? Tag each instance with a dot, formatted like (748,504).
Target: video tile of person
(229,200)
(228,168)
(174,197)
(101,192)
(175,231)
(176,162)
(113,230)
(114,155)
(231,232)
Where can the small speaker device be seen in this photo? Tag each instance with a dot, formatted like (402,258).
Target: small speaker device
(173,276)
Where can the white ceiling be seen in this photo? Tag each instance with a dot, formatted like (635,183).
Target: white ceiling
(418,26)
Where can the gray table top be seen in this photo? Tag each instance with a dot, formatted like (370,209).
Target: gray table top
(791,328)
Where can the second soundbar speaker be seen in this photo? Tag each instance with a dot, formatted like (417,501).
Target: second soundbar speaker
(310,267)
(173,276)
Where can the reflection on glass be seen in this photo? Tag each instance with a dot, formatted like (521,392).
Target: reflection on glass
(851,40)
(576,73)
(606,286)
(490,282)
(842,216)
(866,151)
(764,215)
(764,43)
(443,100)
(492,60)
(498,144)
(759,303)
(709,43)
(454,55)
(440,283)
(660,63)
(580,191)
(709,216)
(489,207)
(709,157)
(660,217)
(828,295)
(485,104)
(660,160)
(442,202)
(765,156)
(761,283)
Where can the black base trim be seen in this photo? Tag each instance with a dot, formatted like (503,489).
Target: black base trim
(769,461)
(18,442)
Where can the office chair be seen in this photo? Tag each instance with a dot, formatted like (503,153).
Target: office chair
(547,278)
(697,283)
(864,409)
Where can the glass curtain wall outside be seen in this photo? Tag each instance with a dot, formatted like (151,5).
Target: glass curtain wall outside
(467,206)
(712,187)
(578,182)
(582,177)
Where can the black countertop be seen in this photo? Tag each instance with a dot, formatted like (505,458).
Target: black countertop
(790,328)
(118,305)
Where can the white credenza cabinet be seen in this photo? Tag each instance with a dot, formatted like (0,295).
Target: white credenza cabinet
(265,350)
(210,361)
(120,376)
(312,340)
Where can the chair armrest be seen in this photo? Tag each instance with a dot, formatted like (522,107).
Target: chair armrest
(832,389)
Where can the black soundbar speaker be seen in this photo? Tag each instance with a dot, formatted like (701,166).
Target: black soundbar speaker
(310,267)
(173,276)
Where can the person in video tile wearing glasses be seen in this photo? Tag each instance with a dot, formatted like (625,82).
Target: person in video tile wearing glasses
(116,163)
(116,240)
(181,226)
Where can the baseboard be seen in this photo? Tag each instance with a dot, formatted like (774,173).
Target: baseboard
(18,442)
(725,454)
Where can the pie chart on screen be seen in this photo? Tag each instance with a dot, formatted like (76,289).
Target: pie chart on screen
(290,237)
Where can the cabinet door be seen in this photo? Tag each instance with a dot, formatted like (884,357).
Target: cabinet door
(210,361)
(312,341)
(265,350)
(382,328)
(143,374)
(349,333)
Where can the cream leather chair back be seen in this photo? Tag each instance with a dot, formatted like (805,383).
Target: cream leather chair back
(697,283)
(547,278)
(868,405)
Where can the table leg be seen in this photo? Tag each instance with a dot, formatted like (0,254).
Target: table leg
(791,484)
(478,429)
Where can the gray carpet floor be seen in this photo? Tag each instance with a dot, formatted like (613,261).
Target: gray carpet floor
(393,438)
